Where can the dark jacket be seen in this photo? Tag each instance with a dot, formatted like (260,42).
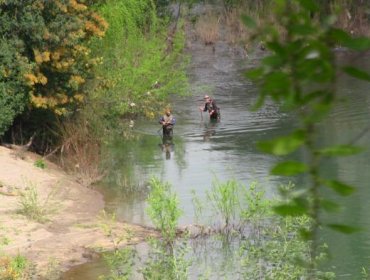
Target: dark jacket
(212,108)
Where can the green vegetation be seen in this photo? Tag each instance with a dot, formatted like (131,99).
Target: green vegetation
(45,63)
(259,243)
(32,206)
(167,258)
(269,246)
(61,77)
(13,268)
(40,163)
(300,72)
(121,260)
(120,263)
(164,209)
(76,79)
(223,198)
(107,222)
(142,62)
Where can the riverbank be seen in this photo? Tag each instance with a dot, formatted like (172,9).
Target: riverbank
(68,230)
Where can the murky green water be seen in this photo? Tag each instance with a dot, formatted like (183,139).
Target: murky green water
(202,151)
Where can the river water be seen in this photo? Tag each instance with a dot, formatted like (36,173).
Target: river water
(202,152)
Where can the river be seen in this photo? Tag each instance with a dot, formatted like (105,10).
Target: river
(202,152)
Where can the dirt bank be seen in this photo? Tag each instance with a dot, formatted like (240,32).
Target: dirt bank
(70,229)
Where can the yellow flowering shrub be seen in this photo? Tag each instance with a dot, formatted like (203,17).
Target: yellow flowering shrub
(63,61)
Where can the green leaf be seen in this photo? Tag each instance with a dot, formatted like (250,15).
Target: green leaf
(276,84)
(330,206)
(254,74)
(277,48)
(249,21)
(260,101)
(302,29)
(344,228)
(283,145)
(341,150)
(358,44)
(312,95)
(339,187)
(289,168)
(357,73)
(273,61)
(290,210)
(309,5)
(339,36)
(305,234)
(321,110)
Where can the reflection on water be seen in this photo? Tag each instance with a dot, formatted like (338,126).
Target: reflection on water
(167,146)
(209,130)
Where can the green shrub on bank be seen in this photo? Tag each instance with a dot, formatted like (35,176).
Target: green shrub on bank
(142,62)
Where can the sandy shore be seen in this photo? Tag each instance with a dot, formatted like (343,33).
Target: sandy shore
(72,228)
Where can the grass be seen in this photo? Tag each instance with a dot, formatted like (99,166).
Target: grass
(163,209)
(116,235)
(13,268)
(236,30)
(53,271)
(351,18)
(207,29)
(80,152)
(31,206)
(224,200)
(40,163)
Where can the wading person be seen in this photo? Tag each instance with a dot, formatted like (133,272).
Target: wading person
(167,121)
(212,108)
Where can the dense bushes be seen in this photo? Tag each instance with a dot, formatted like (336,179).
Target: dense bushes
(142,62)
(44,61)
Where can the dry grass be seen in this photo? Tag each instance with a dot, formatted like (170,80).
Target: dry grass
(80,152)
(236,31)
(207,28)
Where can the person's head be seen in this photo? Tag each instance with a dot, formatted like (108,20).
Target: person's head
(207,98)
(167,111)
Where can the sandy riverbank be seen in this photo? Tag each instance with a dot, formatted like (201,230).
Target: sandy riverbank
(71,230)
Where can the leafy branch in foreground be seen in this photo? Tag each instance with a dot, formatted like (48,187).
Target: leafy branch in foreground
(300,72)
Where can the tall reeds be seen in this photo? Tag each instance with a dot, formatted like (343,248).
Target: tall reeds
(207,28)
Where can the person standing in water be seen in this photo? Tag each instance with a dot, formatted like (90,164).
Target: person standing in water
(212,108)
(167,121)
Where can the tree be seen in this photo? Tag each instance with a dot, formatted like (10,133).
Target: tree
(46,63)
